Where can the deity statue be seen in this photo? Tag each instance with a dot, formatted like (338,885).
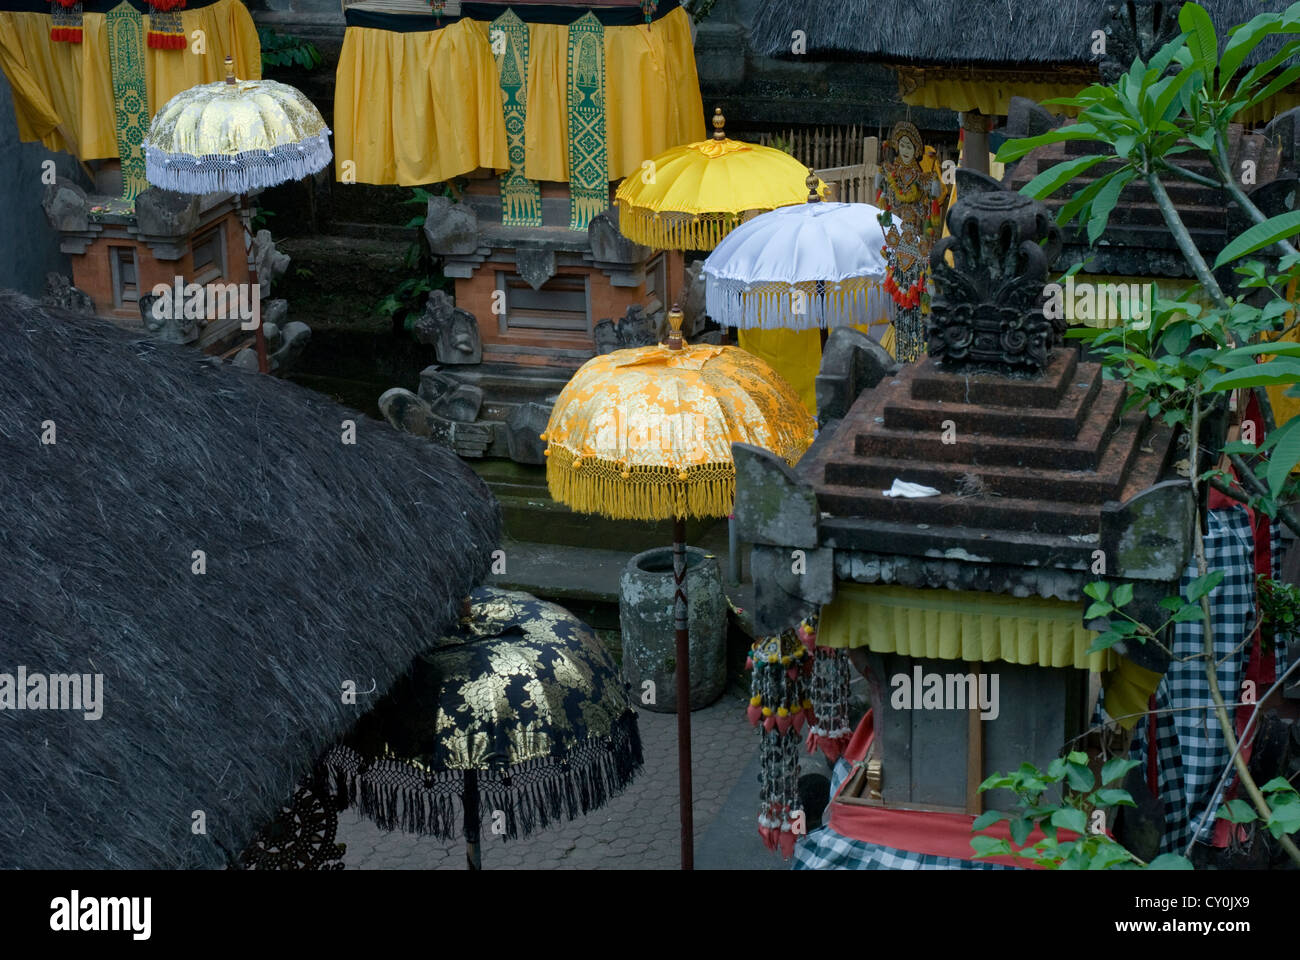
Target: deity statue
(910,196)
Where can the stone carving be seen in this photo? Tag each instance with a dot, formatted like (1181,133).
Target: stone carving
(165,213)
(449,397)
(1135,28)
(270,262)
(524,427)
(1283,134)
(171,326)
(1027,118)
(851,362)
(605,333)
(66,206)
(59,292)
(535,266)
(409,413)
(988,309)
(692,300)
(451,228)
(610,246)
(452,332)
(635,329)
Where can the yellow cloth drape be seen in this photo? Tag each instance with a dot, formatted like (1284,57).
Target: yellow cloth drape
(988,98)
(960,625)
(63,92)
(414,108)
(1128,691)
(1284,407)
(995,98)
(796,355)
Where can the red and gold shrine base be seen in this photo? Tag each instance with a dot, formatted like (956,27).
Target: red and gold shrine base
(918,831)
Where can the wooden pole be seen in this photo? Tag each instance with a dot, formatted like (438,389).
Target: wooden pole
(683,674)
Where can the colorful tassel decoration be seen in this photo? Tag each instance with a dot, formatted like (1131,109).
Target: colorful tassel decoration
(66,17)
(830,731)
(779,707)
(166,29)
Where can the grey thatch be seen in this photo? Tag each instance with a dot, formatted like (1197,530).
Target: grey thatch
(956,32)
(325,563)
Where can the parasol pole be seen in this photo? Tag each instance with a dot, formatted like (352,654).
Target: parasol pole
(246,219)
(815,197)
(683,653)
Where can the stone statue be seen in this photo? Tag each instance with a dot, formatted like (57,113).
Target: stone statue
(910,196)
(988,306)
(453,332)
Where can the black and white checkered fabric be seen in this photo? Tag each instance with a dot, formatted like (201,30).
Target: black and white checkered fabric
(1191,752)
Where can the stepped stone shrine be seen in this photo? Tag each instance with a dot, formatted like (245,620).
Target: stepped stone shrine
(1043,486)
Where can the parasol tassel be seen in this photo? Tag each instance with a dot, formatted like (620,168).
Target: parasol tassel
(782,721)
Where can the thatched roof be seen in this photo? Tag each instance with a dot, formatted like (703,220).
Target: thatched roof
(956,32)
(325,563)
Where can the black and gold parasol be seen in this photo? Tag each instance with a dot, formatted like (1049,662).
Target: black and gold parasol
(520,716)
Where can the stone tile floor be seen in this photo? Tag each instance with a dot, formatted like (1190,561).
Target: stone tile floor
(636,830)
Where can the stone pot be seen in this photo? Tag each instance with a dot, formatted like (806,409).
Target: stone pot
(645,611)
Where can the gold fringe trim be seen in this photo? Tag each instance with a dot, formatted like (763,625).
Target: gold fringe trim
(675,231)
(590,484)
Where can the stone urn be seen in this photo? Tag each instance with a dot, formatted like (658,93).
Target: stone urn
(645,611)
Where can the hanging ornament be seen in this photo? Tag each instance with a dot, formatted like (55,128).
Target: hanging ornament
(438,8)
(66,17)
(166,29)
(831,673)
(648,7)
(779,707)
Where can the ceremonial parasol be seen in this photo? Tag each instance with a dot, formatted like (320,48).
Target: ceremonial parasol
(236,136)
(646,434)
(801,267)
(520,713)
(690,197)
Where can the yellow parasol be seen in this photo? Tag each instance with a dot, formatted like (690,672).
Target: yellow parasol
(692,196)
(646,434)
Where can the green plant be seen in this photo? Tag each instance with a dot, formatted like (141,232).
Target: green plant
(262,219)
(1283,802)
(1063,797)
(1279,607)
(285,50)
(407,295)
(1181,362)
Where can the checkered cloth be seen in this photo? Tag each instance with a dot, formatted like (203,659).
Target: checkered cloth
(1191,752)
(824,849)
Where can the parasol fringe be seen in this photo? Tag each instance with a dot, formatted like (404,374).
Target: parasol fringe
(597,485)
(238,173)
(671,230)
(771,306)
(540,792)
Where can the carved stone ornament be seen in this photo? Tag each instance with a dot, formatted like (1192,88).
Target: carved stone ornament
(1136,28)
(988,308)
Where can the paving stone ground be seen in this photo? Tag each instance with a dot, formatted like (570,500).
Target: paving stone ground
(638,829)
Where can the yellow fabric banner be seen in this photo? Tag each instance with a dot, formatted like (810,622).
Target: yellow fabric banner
(416,108)
(960,625)
(63,92)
